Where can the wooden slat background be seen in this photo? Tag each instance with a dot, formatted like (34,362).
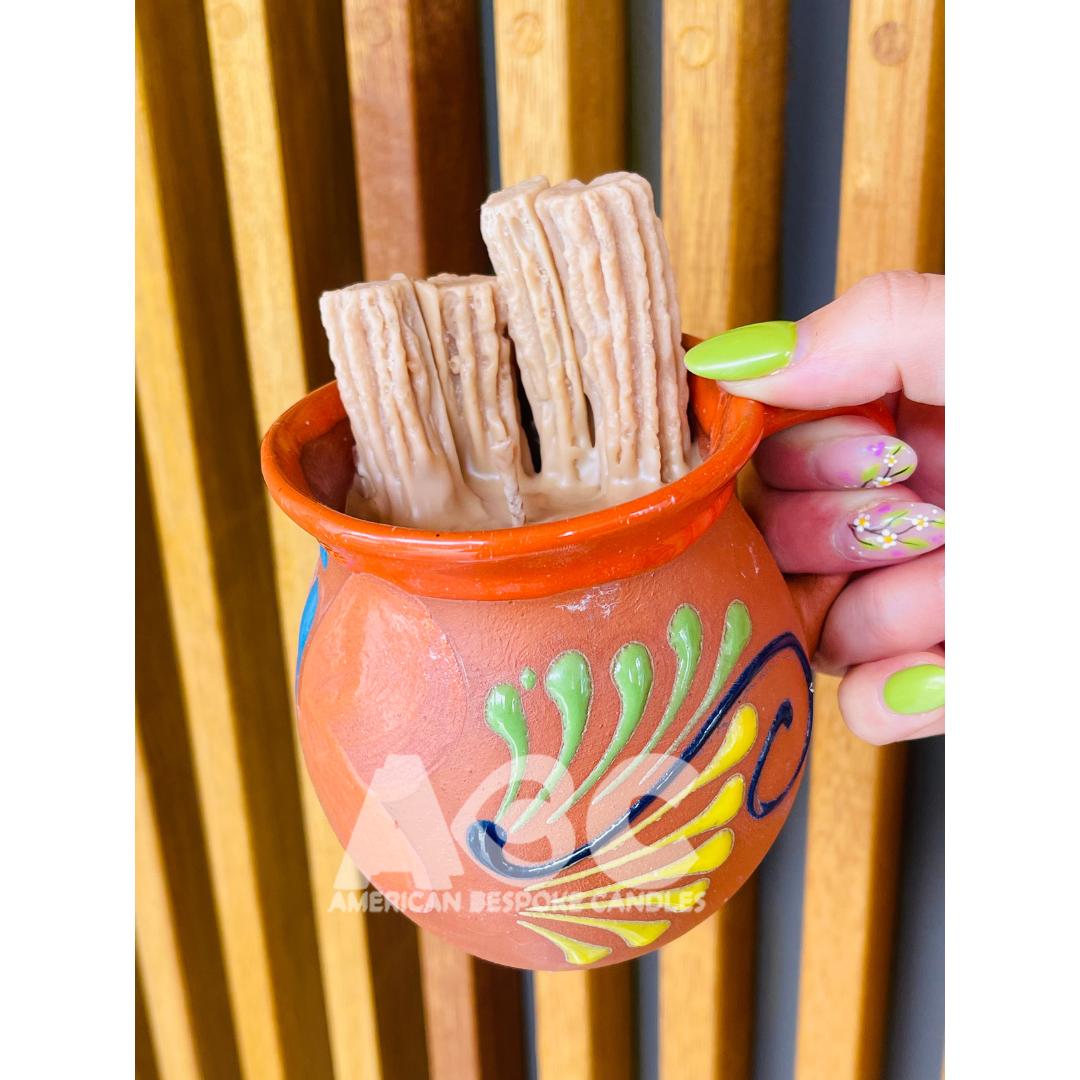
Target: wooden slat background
(286,147)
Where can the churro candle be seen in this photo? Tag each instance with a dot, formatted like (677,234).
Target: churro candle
(540,328)
(466,324)
(580,324)
(613,264)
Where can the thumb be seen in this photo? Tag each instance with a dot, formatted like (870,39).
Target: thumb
(886,333)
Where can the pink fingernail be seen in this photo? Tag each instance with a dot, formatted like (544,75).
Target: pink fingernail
(862,462)
(891,530)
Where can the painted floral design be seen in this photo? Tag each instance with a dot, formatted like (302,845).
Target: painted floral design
(895,528)
(893,464)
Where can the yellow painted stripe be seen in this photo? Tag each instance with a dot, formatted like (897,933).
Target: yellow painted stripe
(719,812)
(635,934)
(676,900)
(576,952)
(738,739)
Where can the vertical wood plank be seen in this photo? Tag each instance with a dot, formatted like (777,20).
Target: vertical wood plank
(852,848)
(451,1023)
(176,930)
(723,99)
(414,80)
(170,443)
(560,69)
(280,88)
(723,89)
(891,217)
(472,1012)
(145,1062)
(563,1035)
(157,944)
(706,995)
(382,92)
(395,970)
(583,1024)
(500,1018)
(892,186)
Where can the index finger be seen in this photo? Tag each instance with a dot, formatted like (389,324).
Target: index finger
(885,334)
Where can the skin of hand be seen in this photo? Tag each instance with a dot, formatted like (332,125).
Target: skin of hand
(843,495)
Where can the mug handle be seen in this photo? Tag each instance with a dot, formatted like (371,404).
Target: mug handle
(814,594)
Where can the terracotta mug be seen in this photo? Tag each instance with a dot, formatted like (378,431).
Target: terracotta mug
(563,744)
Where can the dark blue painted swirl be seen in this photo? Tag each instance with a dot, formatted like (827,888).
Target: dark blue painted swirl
(486,840)
(784,716)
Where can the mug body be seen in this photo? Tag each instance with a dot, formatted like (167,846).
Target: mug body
(566,780)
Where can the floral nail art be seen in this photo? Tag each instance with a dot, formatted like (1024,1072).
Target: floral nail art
(875,465)
(891,467)
(896,529)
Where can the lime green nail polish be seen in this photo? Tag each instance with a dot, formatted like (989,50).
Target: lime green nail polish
(747,352)
(916,689)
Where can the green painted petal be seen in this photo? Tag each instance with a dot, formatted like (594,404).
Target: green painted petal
(684,637)
(737,630)
(504,714)
(632,674)
(569,684)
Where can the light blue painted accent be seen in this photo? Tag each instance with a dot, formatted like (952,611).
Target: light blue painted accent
(311,605)
(322,556)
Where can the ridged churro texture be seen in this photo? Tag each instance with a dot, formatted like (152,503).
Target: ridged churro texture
(608,246)
(582,307)
(466,325)
(540,328)
(406,460)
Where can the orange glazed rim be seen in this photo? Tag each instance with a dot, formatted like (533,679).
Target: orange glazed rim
(530,560)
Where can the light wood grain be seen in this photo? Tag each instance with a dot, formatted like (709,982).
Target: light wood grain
(279,169)
(186,547)
(892,186)
(856,796)
(583,1024)
(723,90)
(145,1062)
(560,67)
(179,928)
(891,218)
(414,82)
(157,944)
(453,1037)
(382,92)
(706,996)
(723,96)
(563,1033)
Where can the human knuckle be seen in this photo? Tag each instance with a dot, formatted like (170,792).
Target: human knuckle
(898,294)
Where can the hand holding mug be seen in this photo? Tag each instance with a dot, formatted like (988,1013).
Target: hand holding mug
(842,495)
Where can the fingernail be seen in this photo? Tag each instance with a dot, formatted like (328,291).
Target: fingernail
(860,462)
(891,530)
(918,689)
(747,352)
